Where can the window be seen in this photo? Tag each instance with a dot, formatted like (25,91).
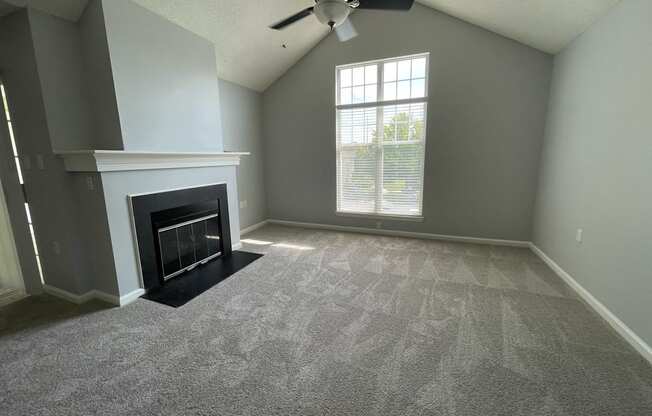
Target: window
(381,136)
(19,172)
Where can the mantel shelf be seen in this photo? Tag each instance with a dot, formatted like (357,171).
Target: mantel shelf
(122,160)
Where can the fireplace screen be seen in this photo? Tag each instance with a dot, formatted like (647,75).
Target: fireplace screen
(185,245)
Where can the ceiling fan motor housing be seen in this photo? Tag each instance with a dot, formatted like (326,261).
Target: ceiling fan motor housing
(332,12)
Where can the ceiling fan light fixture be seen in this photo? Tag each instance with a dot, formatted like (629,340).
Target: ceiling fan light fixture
(332,12)
(335,13)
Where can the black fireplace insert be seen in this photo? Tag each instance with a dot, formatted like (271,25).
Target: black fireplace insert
(184,242)
(180,230)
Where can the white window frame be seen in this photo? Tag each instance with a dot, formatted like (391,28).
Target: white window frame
(380,104)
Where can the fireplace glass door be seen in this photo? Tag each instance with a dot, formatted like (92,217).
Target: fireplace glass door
(185,245)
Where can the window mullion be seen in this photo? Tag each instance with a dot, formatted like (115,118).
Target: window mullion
(386,103)
(380,137)
(337,89)
(338,154)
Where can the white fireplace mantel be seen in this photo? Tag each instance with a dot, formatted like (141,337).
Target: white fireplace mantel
(122,160)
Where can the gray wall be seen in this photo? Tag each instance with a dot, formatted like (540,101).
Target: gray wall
(26,64)
(165,81)
(57,48)
(94,230)
(18,71)
(596,168)
(486,117)
(98,79)
(242,119)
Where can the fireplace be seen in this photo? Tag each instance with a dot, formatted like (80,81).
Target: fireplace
(180,230)
(184,242)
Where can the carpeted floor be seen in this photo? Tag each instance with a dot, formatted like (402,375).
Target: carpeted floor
(332,323)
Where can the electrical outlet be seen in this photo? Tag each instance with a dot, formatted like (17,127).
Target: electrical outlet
(579,235)
(89,183)
(243,204)
(56,247)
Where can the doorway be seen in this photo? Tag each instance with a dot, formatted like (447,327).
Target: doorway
(11,279)
(19,252)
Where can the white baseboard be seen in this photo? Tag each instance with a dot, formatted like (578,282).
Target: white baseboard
(118,301)
(131,297)
(409,234)
(236,246)
(94,294)
(11,296)
(65,295)
(106,297)
(630,336)
(253,227)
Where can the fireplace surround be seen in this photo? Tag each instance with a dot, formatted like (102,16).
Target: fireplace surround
(108,180)
(179,230)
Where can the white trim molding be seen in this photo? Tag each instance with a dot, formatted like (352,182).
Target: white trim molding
(253,227)
(122,160)
(381,217)
(119,301)
(619,326)
(65,295)
(131,297)
(11,296)
(409,234)
(94,294)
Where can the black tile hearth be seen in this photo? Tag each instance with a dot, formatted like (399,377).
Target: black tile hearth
(182,289)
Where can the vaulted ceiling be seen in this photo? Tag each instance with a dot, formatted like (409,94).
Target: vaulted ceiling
(250,54)
(547,25)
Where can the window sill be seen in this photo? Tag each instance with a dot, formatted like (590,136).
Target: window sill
(410,218)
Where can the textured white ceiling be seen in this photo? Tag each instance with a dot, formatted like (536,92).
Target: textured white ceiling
(250,54)
(547,25)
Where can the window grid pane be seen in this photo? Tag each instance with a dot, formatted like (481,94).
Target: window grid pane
(404,70)
(371,74)
(358,76)
(345,78)
(358,85)
(390,71)
(356,126)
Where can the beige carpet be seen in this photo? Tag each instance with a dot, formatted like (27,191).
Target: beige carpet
(332,323)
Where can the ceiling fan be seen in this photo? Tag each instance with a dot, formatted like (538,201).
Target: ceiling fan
(335,13)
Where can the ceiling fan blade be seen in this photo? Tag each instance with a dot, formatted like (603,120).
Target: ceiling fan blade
(295,17)
(346,31)
(385,4)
